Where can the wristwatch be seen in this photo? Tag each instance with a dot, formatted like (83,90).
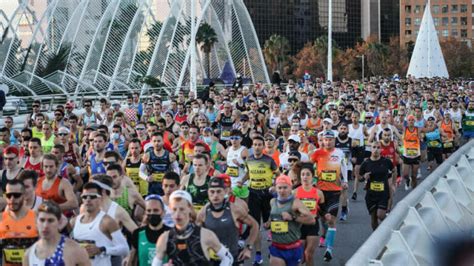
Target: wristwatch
(102,249)
(249,247)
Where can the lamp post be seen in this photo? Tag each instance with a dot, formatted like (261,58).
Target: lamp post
(192,82)
(329,75)
(363,66)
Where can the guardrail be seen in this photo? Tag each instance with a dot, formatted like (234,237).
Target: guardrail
(443,203)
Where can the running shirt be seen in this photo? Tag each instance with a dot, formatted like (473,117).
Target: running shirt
(380,171)
(330,165)
(225,229)
(52,193)
(283,232)
(144,241)
(198,193)
(16,236)
(188,251)
(456,116)
(56,259)
(35,167)
(310,198)
(357,136)
(123,200)
(95,167)
(433,138)
(70,156)
(226,124)
(468,124)
(411,143)
(260,171)
(346,147)
(389,151)
(47,144)
(158,165)
(236,172)
(132,170)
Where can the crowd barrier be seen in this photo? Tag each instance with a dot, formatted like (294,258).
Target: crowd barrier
(443,204)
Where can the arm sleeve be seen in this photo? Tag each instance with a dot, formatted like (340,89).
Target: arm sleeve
(225,256)
(344,169)
(156,262)
(175,166)
(134,239)
(142,173)
(119,245)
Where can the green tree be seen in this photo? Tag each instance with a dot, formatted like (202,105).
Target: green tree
(276,50)
(206,36)
(54,62)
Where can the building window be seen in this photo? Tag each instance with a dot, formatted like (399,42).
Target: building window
(417,9)
(436,21)
(454,21)
(454,9)
(417,21)
(435,9)
(445,21)
(408,22)
(444,9)
(454,32)
(464,21)
(408,9)
(463,33)
(445,33)
(407,32)
(463,8)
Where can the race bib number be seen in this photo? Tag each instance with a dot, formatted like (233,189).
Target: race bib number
(310,204)
(328,176)
(158,177)
(448,144)
(433,143)
(377,186)
(355,143)
(14,255)
(197,207)
(213,255)
(457,124)
(226,133)
(470,123)
(232,171)
(85,243)
(412,152)
(366,142)
(257,184)
(279,227)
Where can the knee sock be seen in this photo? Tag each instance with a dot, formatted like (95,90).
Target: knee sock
(330,236)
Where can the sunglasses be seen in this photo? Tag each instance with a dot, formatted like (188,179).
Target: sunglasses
(36,106)
(62,134)
(269,140)
(140,128)
(234,138)
(87,105)
(292,160)
(90,196)
(16,195)
(9,158)
(107,163)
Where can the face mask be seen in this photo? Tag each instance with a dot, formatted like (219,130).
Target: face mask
(115,136)
(154,219)
(208,140)
(259,101)
(195,110)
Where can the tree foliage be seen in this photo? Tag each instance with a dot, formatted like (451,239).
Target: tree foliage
(458,57)
(276,51)
(206,36)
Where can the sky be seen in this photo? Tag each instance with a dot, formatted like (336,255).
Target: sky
(8,6)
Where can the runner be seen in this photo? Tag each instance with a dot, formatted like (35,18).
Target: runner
(54,188)
(377,171)
(197,183)
(286,217)
(434,143)
(97,232)
(448,134)
(357,133)
(52,248)
(67,170)
(261,170)
(144,239)
(170,185)
(332,179)
(236,155)
(187,243)
(17,225)
(29,179)
(312,198)
(11,168)
(411,152)
(33,161)
(388,149)
(132,163)
(225,218)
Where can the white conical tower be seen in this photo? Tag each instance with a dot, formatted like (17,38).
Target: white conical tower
(427,59)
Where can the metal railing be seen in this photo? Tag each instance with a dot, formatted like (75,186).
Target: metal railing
(444,201)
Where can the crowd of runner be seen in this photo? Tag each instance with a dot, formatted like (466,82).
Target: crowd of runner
(196,179)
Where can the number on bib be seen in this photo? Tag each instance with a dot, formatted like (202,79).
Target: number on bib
(310,204)
(14,255)
(328,176)
(158,177)
(377,186)
(279,227)
(233,171)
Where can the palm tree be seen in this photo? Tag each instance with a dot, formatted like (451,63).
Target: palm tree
(276,50)
(206,36)
(54,62)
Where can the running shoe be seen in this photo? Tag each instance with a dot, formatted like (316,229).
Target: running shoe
(322,242)
(407,184)
(418,175)
(354,196)
(328,255)
(258,259)
(343,216)
(269,236)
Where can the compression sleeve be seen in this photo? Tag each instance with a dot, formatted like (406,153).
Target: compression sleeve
(175,166)
(119,245)
(344,170)
(225,256)
(142,173)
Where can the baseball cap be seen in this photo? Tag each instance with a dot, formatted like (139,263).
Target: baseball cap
(296,154)
(244,118)
(329,134)
(328,120)
(225,178)
(284,179)
(182,195)
(295,138)
(11,149)
(63,130)
(269,136)
(216,182)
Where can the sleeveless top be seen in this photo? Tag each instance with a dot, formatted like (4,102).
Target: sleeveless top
(52,193)
(17,236)
(56,259)
(132,170)
(87,120)
(433,138)
(186,252)
(5,179)
(123,200)
(411,143)
(35,167)
(224,228)
(310,199)
(198,193)
(112,209)
(357,136)
(70,156)
(448,130)
(226,127)
(283,232)
(47,144)
(158,165)
(89,233)
(96,167)
(389,151)
(235,172)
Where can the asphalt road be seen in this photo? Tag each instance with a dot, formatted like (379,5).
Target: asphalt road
(351,234)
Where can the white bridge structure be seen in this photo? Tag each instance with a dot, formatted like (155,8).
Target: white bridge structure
(102,46)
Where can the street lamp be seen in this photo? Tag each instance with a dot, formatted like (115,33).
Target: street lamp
(363,65)
(329,75)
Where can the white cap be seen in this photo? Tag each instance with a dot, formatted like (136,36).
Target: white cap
(295,138)
(64,129)
(183,195)
(328,120)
